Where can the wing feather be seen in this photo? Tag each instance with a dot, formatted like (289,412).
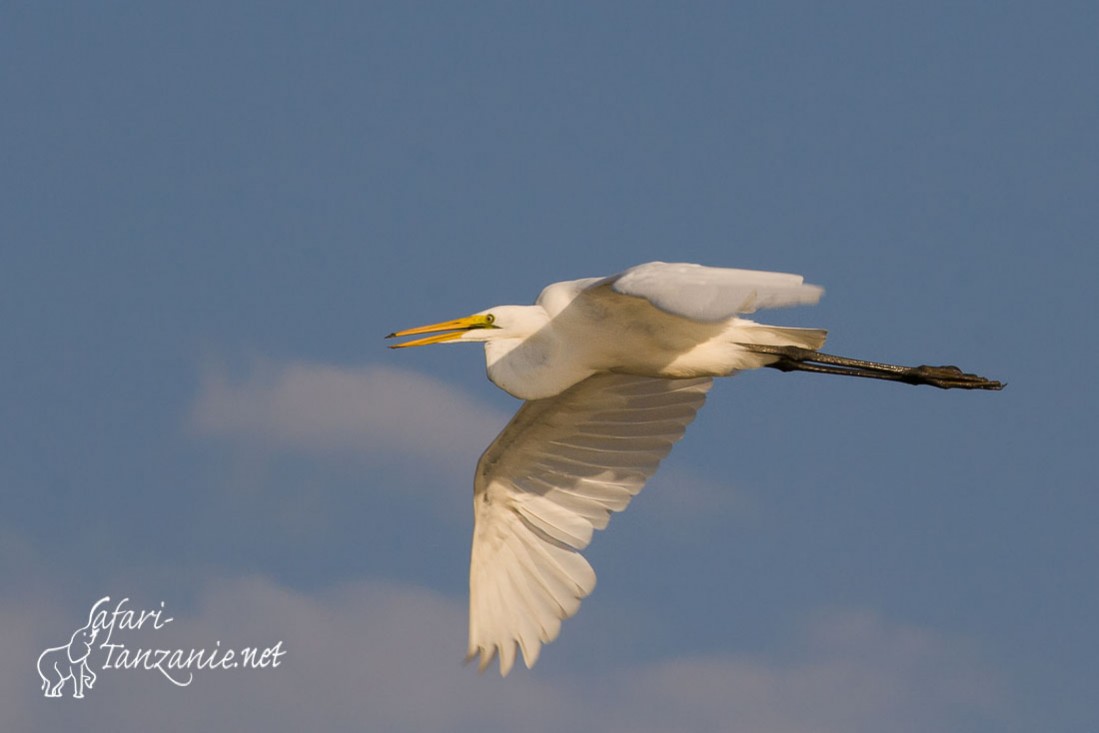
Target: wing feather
(548,481)
(711,294)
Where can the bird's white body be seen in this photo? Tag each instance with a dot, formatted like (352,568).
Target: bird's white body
(628,324)
(613,370)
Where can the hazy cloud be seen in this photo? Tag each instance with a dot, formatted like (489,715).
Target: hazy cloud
(849,671)
(323,409)
(381,656)
(682,494)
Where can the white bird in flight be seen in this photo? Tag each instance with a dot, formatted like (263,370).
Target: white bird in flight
(612,370)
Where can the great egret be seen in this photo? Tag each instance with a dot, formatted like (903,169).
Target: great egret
(612,370)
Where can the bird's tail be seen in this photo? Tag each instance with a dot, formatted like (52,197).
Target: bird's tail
(758,334)
(806,338)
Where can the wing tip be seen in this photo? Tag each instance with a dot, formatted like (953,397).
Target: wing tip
(486,654)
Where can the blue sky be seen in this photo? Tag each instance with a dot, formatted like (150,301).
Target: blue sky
(213,212)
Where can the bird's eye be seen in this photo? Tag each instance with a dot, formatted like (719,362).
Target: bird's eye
(490,318)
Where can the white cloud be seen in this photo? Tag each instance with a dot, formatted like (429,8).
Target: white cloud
(381,656)
(369,411)
(850,671)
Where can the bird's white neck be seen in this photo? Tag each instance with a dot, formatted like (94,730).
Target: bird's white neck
(532,368)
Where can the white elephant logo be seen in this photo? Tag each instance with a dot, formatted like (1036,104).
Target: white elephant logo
(70,661)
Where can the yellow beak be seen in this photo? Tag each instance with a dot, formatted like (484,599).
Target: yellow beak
(453,329)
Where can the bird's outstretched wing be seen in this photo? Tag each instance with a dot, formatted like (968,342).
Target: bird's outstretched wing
(555,474)
(711,294)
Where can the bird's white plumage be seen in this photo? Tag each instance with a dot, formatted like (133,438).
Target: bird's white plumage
(659,319)
(613,369)
(712,294)
(554,475)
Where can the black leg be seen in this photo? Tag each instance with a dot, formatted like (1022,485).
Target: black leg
(797,359)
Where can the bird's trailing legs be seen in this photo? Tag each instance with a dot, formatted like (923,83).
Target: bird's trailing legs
(797,359)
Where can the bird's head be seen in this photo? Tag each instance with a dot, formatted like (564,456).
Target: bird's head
(501,323)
